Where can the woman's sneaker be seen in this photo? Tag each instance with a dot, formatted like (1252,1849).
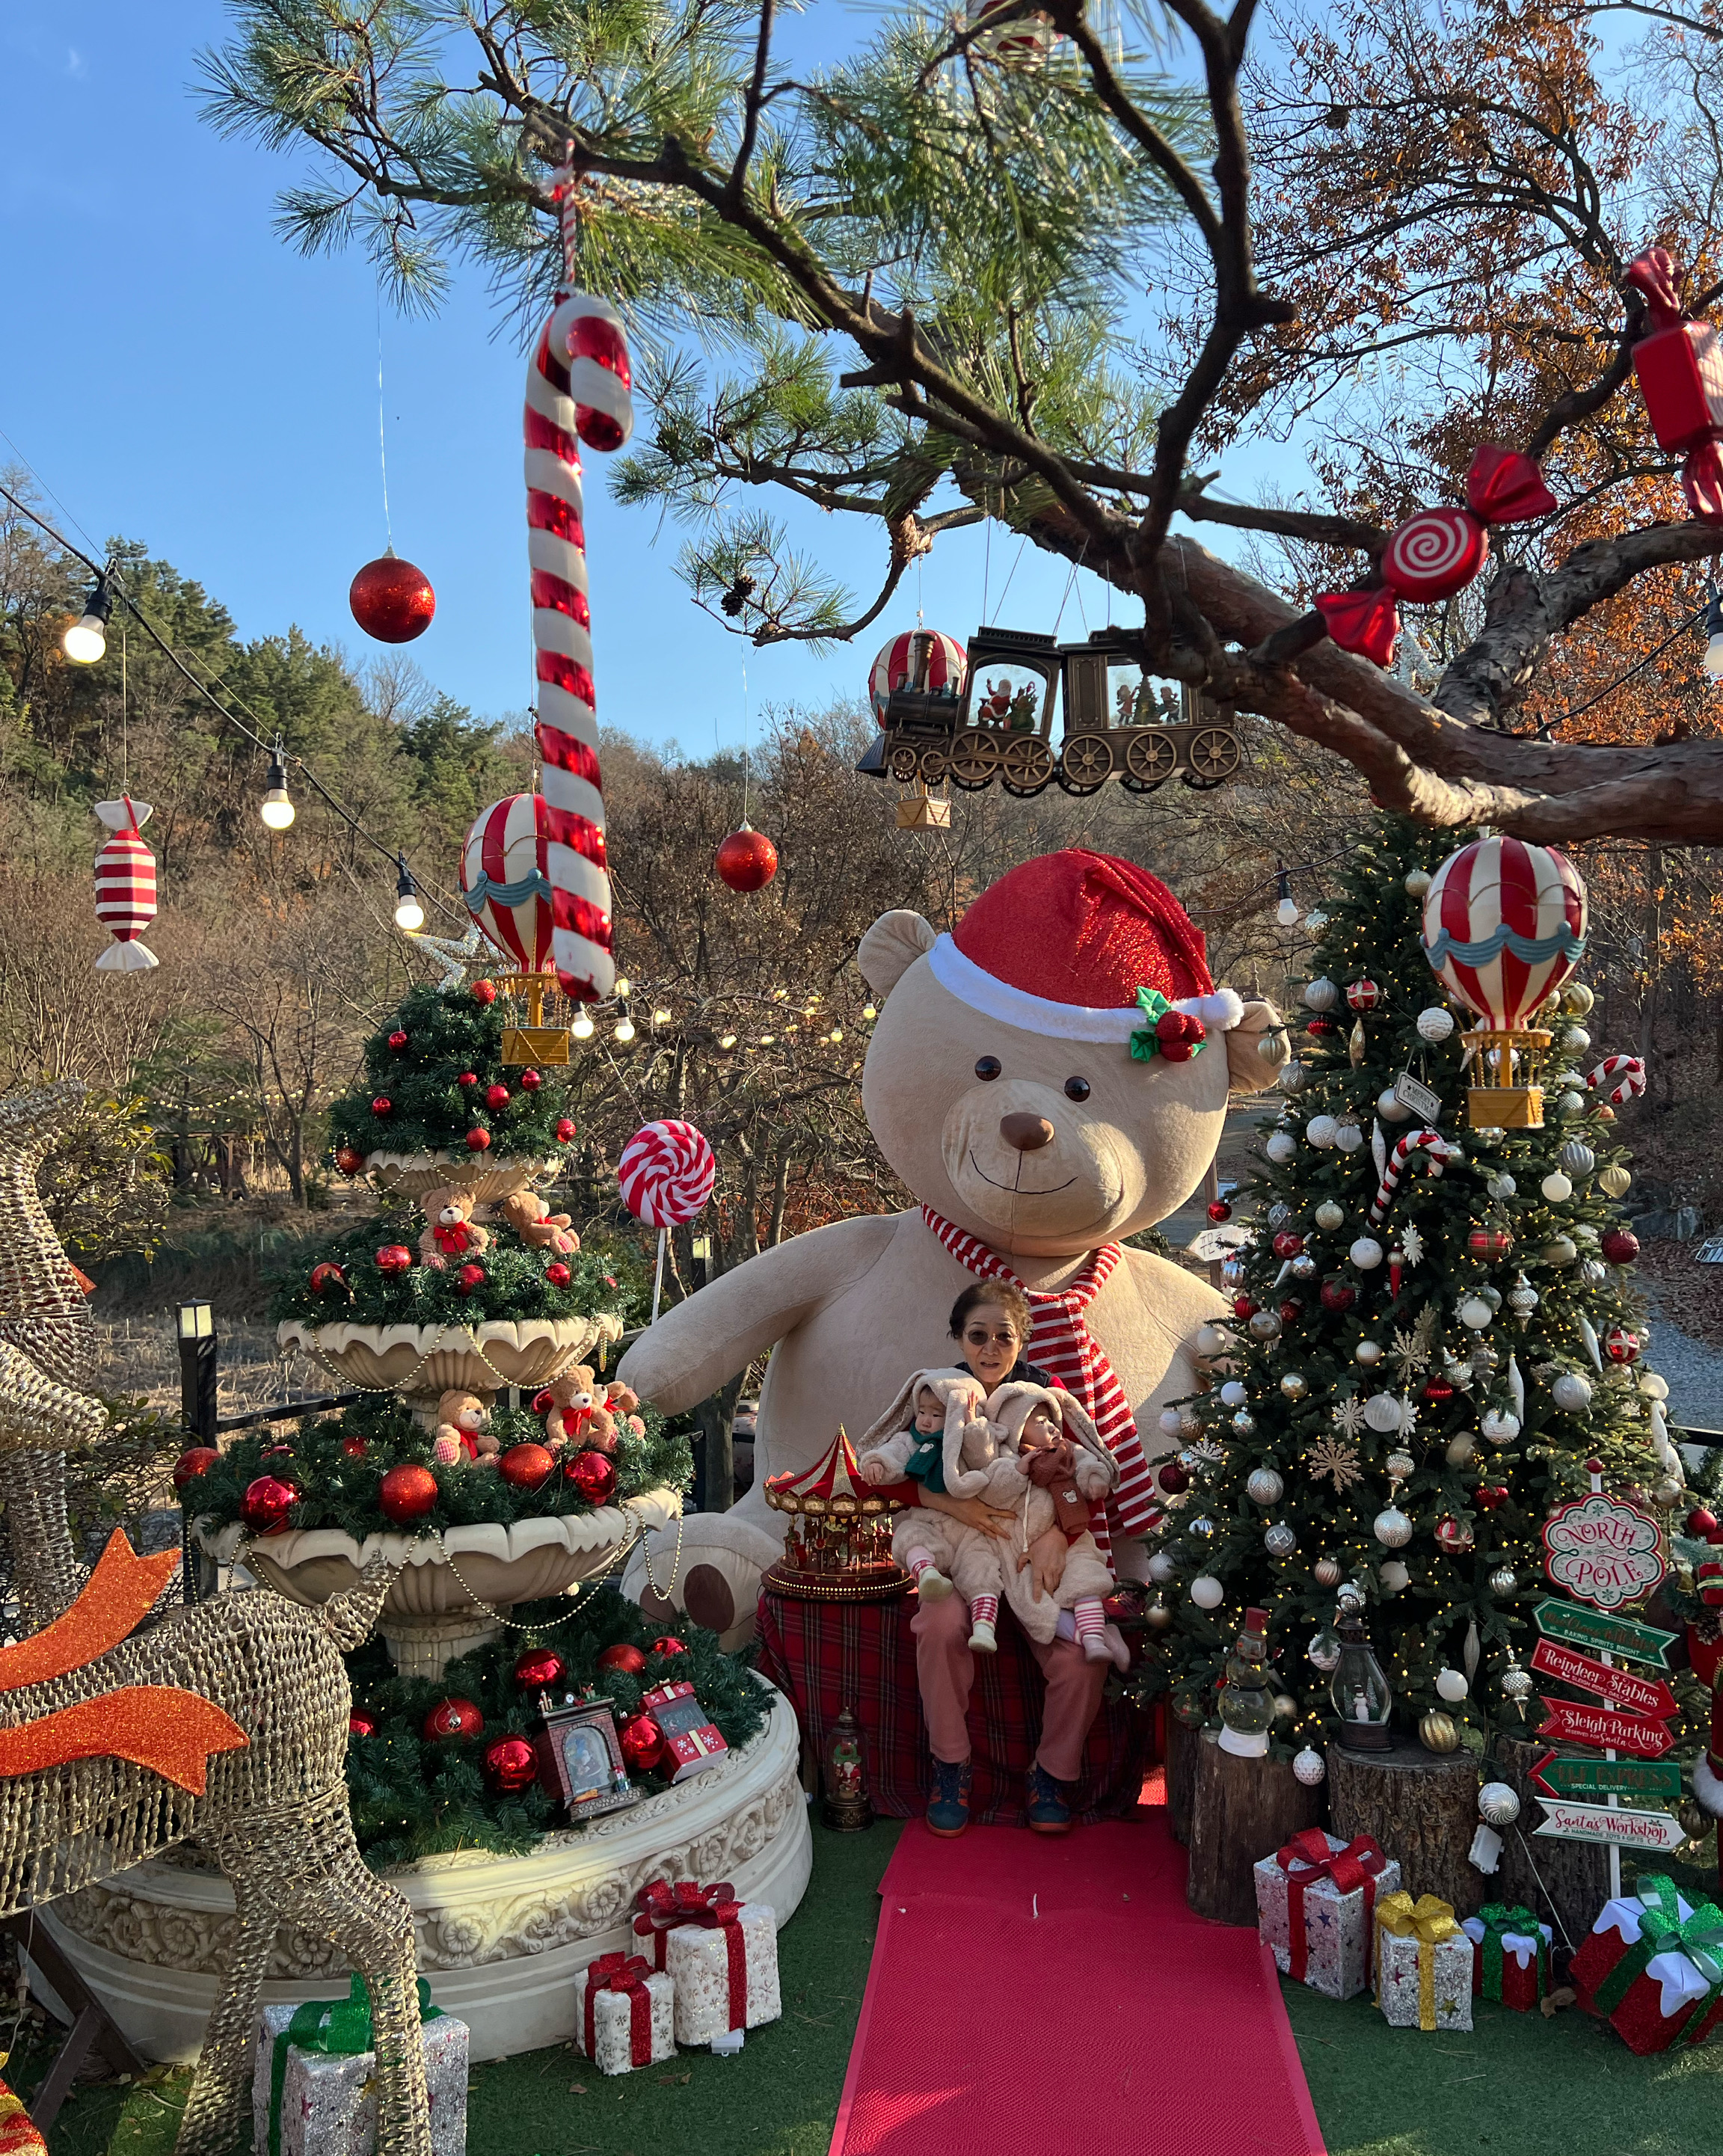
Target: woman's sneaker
(948,1808)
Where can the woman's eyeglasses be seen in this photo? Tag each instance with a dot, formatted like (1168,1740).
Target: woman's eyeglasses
(977,1338)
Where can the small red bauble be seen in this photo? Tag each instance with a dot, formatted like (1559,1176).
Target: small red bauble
(1242,1306)
(451,1719)
(565,1130)
(642,1741)
(511,1765)
(530,1081)
(266,1504)
(468,1078)
(1288,1244)
(1622,1345)
(539,1667)
(668,1644)
(1219,1209)
(483,991)
(1172,1477)
(325,1276)
(526,1465)
(392,600)
(361,1724)
(397,1039)
(470,1277)
(1438,1388)
(381,1104)
(393,1258)
(557,1274)
(1363,995)
(1291,1312)
(543,1402)
(406,1492)
(1489,1242)
(1490,1497)
(496,1096)
(747,860)
(621,1656)
(349,1160)
(593,1474)
(479,1139)
(1453,1535)
(1620,1246)
(1337,1296)
(1701,1521)
(1319,1026)
(199,1459)
(354,1447)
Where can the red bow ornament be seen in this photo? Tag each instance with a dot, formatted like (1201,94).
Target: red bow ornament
(1307,1858)
(626,1973)
(663,1907)
(1680,369)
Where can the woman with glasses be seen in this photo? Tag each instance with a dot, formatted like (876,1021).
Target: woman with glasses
(990,1322)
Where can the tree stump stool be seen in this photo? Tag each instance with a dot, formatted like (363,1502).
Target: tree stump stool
(1243,1809)
(1181,1777)
(1420,1807)
(1563,1883)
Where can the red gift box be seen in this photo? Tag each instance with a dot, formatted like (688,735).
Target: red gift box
(691,1738)
(1650,1967)
(1512,1961)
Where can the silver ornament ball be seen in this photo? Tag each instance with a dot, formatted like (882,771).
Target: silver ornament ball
(1498,1804)
(1310,1768)
(1264,1487)
(1279,1540)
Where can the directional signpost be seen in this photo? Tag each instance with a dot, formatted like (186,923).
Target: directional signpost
(1637,1735)
(1656,1830)
(1597,1629)
(1617,1687)
(1556,1776)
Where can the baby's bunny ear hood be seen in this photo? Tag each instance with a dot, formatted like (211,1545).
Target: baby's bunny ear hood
(954,1388)
(1010,1407)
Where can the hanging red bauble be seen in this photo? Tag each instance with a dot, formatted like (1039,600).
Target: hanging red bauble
(354,1447)
(468,1278)
(1288,1244)
(511,1765)
(197,1460)
(538,1667)
(543,1402)
(1219,1209)
(667,1645)
(1620,1246)
(1172,1477)
(397,1039)
(393,1258)
(530,1081)
(392,600)
(747,860)
(1622,1345)
(496,1096)
(266,1503)
(1489,1497)
(361,1724)
(565,1130)
(349,1160)
(1438,1388)
(621,1656)
(1701,1521)
(381,1104)
(526,1465)
(478,1139)
(468,1078)
(1453,1535)
(483,991)
(1242,1306)
(1489,1242)
(325,1276)
(1319,1026)
(1363,995)
(1291,1312)
(643,1743)
(406,1492)
(1337,1296)
(451,1719)
(593,1474)
(557,1274)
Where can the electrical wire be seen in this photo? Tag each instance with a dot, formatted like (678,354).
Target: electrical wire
(1681,630)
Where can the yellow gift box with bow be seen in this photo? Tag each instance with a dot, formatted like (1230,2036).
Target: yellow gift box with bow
(1431,1922)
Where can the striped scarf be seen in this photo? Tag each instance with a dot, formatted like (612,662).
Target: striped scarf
(1062,1344)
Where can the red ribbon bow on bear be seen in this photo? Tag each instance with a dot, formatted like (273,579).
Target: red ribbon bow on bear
(453,1240)
(1307,1858)
(627,1973)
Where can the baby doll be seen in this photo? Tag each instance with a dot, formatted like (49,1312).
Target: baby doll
(934,1434)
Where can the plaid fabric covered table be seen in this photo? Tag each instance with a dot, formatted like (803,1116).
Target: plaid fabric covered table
(827,1656)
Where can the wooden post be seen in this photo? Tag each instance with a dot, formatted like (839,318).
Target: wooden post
(1563,1883)
(1180,1777)
(1244,1809)
(1421,1808)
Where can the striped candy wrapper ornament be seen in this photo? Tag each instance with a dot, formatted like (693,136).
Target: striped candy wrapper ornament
(124,887)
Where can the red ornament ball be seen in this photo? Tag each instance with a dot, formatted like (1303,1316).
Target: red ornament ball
(1172,1477)
(543,1402)
(197,1460)
(496,1096)
(454,1718)
(393,1258)
(1363,995)
(557,1274)
(478,1139)
(1489,1242)
(593,1474)
(621,1656)
(668,1644)
(530,1081)
(1337,1296)
(1622,1345)
(1453,1535)
(1701,1521)
(511,1765)
(1620,1246)
(1490,1497)
(349,1160)
(266,1503)
(483,991)
(392,600)
(565,1130)
(1319,1026)
(325,1276)
(1288,1244)
(470,1277)
(1242,1306)
(526,1465)
(1438,1388)
(381,1104)
(538,1667)
(747,860)
(397,1039)
(643,1743)
(354,1447)
(1291,1312)
(406,1492)
(468,1078)
(361,1724)
(1219,1211)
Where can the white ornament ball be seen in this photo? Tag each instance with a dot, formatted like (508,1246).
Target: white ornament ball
(1501,1186)
(1501,1425)
(1435,1024)
(1653,1387)
(1366,1253)
(1391,1108)
(1452,1685)
(1417,882)
(1575,1040)
(1572,1393)
(1368,1353)
(1556,1187)
(1394,1577)
(1280,1540)
(1461,1451)
(1498,1804)
(1161,1569)
(1264,1487)
(1391,1528)
(1321,995)
(1323,1652)
(1474,1312)
(1169,1421)
(1280,1147)
(1559,1251)
(1351,1138)
(1310,1768)
(1234,1394)
(1207,1591)
(1569,1106)
(1330,1216)
(1323,1131)
(1211,1341)
(1381,1411)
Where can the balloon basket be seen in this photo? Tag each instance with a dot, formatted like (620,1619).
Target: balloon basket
(1512,1065)
(535,1042)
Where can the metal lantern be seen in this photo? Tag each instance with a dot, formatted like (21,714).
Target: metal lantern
(1359,1689)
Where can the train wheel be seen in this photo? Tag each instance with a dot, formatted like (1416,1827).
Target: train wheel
(902,763)
(1086,764)
(1150,759)
(975,760)
(934,765)
(1026,766)
(1215,754)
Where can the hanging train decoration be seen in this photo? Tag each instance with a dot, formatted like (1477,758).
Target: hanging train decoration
(972,717)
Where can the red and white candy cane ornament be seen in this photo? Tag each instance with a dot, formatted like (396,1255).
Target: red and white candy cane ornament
(666,1174)
(124,887)
(577,387)
(1438,1150)
(1629,1073)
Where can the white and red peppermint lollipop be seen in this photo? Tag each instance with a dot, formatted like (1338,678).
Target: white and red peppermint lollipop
(666,1173)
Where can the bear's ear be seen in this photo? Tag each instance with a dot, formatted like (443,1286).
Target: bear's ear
(890,947)
(1255,1049)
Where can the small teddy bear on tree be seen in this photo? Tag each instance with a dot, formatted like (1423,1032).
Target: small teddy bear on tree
(450,1230)
(537,1226)
(461,1430)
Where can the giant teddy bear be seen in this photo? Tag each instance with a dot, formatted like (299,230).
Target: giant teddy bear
(1039,1109)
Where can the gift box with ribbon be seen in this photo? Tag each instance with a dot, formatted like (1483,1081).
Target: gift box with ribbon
(314,2086)
(664,1903)
(1315,1908)
(1423,1964)
(1512,1962)
(1652,1967)
(723,1960)
(624,2013)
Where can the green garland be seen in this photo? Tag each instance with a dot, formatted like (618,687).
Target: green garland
(414,1797)
(429,1109)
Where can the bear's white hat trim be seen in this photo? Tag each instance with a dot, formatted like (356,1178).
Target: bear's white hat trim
(996,999)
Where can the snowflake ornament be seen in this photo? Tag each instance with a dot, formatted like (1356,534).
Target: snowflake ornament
(1348,1417)
(1328,1459)
(1412,1244)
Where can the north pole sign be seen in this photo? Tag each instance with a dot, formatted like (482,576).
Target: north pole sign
(1616,1687)
(1603,1550)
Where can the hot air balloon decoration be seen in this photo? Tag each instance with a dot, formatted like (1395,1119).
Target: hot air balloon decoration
(505,878)
(124,887)
(917,681)
(1503,926)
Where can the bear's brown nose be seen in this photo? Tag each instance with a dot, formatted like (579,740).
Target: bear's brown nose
(1028,1133)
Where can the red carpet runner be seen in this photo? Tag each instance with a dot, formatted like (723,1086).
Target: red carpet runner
(1036,1997)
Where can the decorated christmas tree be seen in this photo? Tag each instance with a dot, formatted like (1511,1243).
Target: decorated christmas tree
(1434,1331)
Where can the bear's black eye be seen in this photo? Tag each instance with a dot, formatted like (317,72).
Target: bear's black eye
(987,1066)
(1077,1089)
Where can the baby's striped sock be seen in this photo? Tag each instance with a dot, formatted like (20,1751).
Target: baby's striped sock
(1089,1617)
(984,1609)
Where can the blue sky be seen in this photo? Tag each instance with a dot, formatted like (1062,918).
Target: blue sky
(174,372)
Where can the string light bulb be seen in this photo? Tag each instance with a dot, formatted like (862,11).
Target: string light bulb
(726,1040)
(409,914)
(623,985)
(1286,912)
(1713,660)
(624,1028)
(276,808)
(86,639)
(582,1029)
(660,1017)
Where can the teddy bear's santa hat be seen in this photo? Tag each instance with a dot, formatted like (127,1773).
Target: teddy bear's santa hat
(1061,946)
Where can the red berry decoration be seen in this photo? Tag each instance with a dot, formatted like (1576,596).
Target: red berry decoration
(393,1258)
(526,1465)
(468,1078)
(397,1039)
(557,1274)
(1491,1496)
(538,1667)
(511,1765)
(1288,1244)
(406,1492)
(266,1503)
(1172,1477)
(200,1458)
(1620,1246)
(470,1277)
(530,1081)
(621,1656)
(1701,1521)
(1337,1296)
(565,1130)
(593,1474)
(361,1724)
(668,1644)
(1319,1026)
(1219,1209)
(642,1740)
(454,1718)
(483,991)
(325,1276)
(1242,1306)
(392,600)
(381,1104)
(350,1160)
(1180,1035)
(497,1097)
(354,1447)
(747,860)
(478,1139)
